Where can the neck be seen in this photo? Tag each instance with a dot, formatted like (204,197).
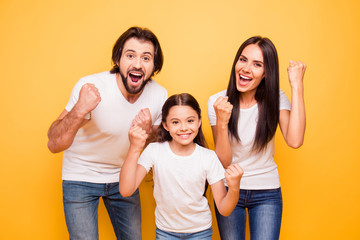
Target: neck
(247,99)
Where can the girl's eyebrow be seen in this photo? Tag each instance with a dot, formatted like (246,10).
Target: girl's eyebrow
(174,118)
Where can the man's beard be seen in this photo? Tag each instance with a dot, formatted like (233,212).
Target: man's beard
(133,90)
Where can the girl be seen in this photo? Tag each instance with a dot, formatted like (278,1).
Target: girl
(244,119)
(181,166)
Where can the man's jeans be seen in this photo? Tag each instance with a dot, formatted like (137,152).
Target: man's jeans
(81,200)
(265,211)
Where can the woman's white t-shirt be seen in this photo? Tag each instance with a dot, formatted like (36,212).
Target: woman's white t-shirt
(260,169)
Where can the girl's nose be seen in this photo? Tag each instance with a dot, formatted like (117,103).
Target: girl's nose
(183,126)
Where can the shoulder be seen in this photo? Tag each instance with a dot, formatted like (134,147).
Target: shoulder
(154,94)
(205,151)
(155,91)
(154,86)
(213,98)
(97,77)
(156,146)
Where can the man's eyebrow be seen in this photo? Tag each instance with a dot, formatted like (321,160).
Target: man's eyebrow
(133,51)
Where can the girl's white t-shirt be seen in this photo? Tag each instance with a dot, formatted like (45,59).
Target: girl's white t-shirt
(179,184)
(260,169)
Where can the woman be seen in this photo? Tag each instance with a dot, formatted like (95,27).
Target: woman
(244,119)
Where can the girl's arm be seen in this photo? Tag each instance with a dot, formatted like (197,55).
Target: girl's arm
(132,174)
(292,123)
(220,132)
(226,201)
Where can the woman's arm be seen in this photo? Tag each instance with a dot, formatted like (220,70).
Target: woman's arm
(220,131)
(226,201)
(132,174)
(292,123)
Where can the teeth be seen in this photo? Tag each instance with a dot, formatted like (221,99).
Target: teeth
(184,135)
(246,78)
(136,74)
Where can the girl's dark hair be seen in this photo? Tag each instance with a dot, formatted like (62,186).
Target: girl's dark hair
(183,99)
(140,34)
(267,95)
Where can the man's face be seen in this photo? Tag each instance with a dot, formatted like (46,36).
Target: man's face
(136,64)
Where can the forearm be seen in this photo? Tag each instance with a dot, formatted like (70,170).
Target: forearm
(228,203)
(62,132)
(297,120)
(222,144)
(127,180)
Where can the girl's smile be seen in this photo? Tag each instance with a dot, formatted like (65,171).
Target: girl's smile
(183,124)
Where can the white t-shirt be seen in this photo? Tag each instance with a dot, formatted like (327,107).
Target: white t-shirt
(260,170)
(100,146)
(179,184)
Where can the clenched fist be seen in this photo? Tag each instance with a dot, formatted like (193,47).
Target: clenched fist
(89,98)
(296,71)
(137,137)
(233,176)
(223,109)
(143,119)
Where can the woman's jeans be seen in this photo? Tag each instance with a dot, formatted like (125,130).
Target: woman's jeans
(265,211)
(81,200)
(203,235)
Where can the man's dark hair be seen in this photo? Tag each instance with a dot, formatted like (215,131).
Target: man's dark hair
(140,34)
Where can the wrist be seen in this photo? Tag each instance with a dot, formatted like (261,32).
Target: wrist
(234,189)
(78,112)
(297,87)
(222,126)
(134,149)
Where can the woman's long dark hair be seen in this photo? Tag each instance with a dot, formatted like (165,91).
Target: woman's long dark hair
(183,99)
(267,95)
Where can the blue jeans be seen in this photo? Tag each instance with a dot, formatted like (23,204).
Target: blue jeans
(203,235)
(265,211)
(81,200)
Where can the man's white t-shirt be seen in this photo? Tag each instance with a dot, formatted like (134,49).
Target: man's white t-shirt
(100,146)
(179,183)
(260,169)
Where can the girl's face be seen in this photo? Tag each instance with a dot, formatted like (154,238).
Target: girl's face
(249,69)
(183,125)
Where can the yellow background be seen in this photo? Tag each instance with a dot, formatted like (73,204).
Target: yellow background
(46,46)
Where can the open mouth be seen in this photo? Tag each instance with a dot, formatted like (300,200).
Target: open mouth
(244,80)
(135,76)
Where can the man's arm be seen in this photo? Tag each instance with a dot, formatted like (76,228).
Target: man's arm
(63,130)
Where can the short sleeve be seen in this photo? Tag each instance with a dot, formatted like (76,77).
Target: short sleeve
(215,170)
(210,107)
(146,157)
(284,101)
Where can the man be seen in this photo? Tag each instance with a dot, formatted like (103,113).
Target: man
(93,133)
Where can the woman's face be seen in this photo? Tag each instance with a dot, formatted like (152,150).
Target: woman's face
(249,69)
